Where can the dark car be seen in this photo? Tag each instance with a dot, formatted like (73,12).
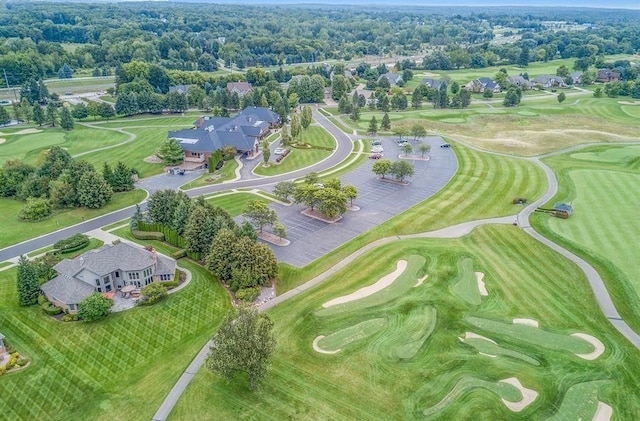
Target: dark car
(376,142)
(445,145)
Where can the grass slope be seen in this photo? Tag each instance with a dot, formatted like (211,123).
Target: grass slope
(235,203)
(362,382)
(115,369)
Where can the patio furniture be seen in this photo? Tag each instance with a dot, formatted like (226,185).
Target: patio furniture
(127,290)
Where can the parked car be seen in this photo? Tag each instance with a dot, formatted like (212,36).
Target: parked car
(445,145)
(376,142)
(377,149)
(279,151)
(376,156)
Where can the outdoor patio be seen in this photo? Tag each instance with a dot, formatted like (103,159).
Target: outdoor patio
(121,304)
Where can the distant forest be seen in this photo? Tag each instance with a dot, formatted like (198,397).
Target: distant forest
(35,38)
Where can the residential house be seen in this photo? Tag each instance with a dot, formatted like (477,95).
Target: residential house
(549,81)
(431,83)
(244,132)
(520,82)
(607,75)
(106,269)
(241,88)
(181,89)
(393,78)
(483,84)
(347,74)
(576,78)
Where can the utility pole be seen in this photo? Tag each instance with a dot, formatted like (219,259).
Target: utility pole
(6,80)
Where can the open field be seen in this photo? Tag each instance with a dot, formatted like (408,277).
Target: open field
(300,157)
(117,368)
(235,203)
(535,127)
(365,379)
(484,186)
(14,231)
(601,183)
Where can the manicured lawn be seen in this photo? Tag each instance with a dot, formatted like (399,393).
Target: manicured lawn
(118,368)
(162,247)
(375,375)
(235,203)
(483,187)
(601,184)
(227,172)
(300,157)
(14,230)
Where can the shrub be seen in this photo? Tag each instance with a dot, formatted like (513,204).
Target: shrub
(35,210)
(151,235)
(22,362)
(94,307)
(248,294)
(170,284)
(153,293)
(51,310)
(42,300)
(70,318)
(73,243)
(179,254)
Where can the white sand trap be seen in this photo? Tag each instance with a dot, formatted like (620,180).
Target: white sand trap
(384,282)
(597,345)
(603,413)
(320,350)
(528,395)
(421,281)
(28,131)
(528,322)
(2,140)
(471,335)
(481,287)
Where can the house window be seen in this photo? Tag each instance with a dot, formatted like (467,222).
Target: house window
(134,275)
(97,282)
(106,279)
(72,306)
(117,274)
(108,288)
(99,289)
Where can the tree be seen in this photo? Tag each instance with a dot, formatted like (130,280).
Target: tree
(260,214)
(153,292)
(52,114)
(373,125)
(416,98)
(93,191)
(386,122)
(351,192)
(401,169)
(284,189)
(512,98)
(170,152)
(355,114)
(455,87)
(488,93)
(219,260)
(406,148)
(295,127)
(26,110)
(597,93)
(523,60)
(27,282)
(418,130)
(38,115)
(424,148)
(94,307)
(36,209)
(122,178)
(199,231)
(181,215)
(243,344)
(381,167)
(561,97)
(80,111)
(105,110)
(306,193)
(266,152)
(127,104)
(306,118)
(279,230)
(66,120)
(5,118)
(333,201)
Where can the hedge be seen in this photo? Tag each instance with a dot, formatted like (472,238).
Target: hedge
(71,244)
(150,235)
(170,236)
(179,254)
(51,310)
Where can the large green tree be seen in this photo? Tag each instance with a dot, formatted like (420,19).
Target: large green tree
(243,343)
(94,307)
(402,169)
(381,167)
(306,117)
(52,114)
(27,282)
(260,214)
(170,152)
(66,120)
(93,191)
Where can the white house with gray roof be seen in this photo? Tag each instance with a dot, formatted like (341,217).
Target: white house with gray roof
(106,269)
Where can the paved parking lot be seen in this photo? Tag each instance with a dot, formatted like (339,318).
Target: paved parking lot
(378,200)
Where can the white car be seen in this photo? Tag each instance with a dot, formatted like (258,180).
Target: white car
(279,151)
(377,149)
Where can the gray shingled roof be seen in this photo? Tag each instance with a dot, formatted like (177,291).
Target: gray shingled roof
(67,290)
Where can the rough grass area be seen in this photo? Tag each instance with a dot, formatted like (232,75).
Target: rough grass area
(14,230)
(119,368)
(484,186)
(602,185)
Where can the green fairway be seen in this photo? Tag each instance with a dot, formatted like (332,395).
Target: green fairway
(465,286)
(301,157)
(440,376)
(580,402)
(117,368)
(601,184)
(489,347)
(16,230)
(235,203)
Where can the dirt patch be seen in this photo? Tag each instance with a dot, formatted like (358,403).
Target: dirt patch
(421,281)
(152,159)
(597,345)
(320,350)
(603,413)
(481,287)
(529,322)
(528,395)
(273,239)
(384,282)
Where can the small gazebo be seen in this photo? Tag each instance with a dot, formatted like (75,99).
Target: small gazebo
(562,210)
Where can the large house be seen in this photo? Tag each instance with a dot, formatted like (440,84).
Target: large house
(549,81)
(607,75)
(241,88)
(483,84)
(209,134)
(181,89)
(431,83)
(393,78)
(106,269)
(520,82)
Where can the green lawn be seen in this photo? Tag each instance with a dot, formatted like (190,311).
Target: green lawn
(14,230)
(118,368)
(227,172)
(301,157)
(389,366)
(601,183)
(235,203)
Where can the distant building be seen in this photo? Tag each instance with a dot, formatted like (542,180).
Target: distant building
(431,83)
(607,75)
(181,89)
(549,81)
(483,84)
(520,82)
(393,78)
(241,88)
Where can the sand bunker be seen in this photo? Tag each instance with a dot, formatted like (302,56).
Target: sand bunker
(629,102)
(481,287)
(153,159)
(528,395)
(471,335)
(421,281)
(528,322)
(603,413)
(597,345)
(384,282)
(320,350)
(28,131)
(2,140)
